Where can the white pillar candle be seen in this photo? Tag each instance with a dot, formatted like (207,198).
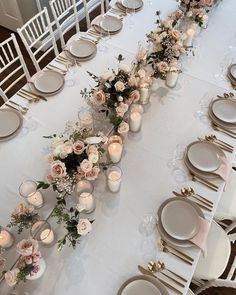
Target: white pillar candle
(115,151)
(6,239)
(86,121)
(188,41)
(171,79)
(47,236)
(35,199)
(87,201)
(114,181)
(135,121)
(155,84)
(144,95)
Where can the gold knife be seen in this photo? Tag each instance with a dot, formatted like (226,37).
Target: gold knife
(33,95)
(149,273)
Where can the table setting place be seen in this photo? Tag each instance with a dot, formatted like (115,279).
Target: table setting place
(81,173)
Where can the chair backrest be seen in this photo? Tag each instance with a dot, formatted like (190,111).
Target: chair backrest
(65,13)
(13,69)
(91,5)
(38,38)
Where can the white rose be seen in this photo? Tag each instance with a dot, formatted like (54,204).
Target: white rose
(107,75)
(57,141)
(86,166)
(125,68)
(11,276)
(93,158)
(123,128)
(60,152)
(84,227)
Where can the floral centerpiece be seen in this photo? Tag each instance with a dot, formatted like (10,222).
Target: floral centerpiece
(29,266)
(23,216)
(167,47)
(114,92)
(75,155)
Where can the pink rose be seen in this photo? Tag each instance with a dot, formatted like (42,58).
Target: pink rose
(80,174)
(122,109)
(196,11)
(163,67)
(175,34)
(123,128)
(134,96)
(37,256)
(11,277)
(58,169)
(133,82)
(99,97)
(93,174)
(27,247)
(28,260)
(50,179)
(91,149)
(78,147)
(86,166)
(209,3)
(119,86)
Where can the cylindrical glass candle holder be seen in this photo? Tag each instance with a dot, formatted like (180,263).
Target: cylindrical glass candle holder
(135,121)
(28,190)
(145,93)
(42,232)
(114,174)
(86,119)
(85,196)
(6,239)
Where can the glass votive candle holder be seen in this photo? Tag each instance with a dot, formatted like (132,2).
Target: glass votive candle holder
(86,119)
(85,196)
(114,174)
(28,190)
(115,148)
(145,93)
(6,239)
(43,233)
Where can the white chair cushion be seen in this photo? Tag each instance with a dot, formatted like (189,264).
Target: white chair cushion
(213,265)
(227,205)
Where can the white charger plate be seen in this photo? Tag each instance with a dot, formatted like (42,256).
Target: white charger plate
(180,219)
(205,156)
(168,238)
(70,56)
(225,110)
(219,122)
(232,71)
(111,24)
(10,122)
(140,285)
(82,48)
(48,81)
(132,4)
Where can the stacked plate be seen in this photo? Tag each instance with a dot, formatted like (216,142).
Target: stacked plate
(178,221)
(232,74)
(203,158)
(133,5)
(47,83)
(107,24)
(10,123)
(223,112)
(140,285)
(81,50)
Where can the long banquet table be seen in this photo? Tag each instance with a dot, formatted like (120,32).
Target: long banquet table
(111,252)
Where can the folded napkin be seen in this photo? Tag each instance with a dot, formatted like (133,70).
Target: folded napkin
(200,238)
(225,169)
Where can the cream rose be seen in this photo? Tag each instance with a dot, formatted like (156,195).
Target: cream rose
(93,174)
(133,81)
(122,109)
(78,147)
(99,97)
(119,86)
(93,158)
(141,55)
(107,75)
(123,128)
(134,96)
(86,166)
(142,73)
(27,247)
(11,277)
(23,209)
(60,151)
(68,147)
(58,169)
(84,227)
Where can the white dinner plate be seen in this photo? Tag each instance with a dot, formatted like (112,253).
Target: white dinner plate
(82,48)
(168,238)
(225,110)
(140,285)
(132,4)
(180,219)
(205,156)
(48,81)
(219,122)
(10,122)
(111,24)
(71,57)
(232,71)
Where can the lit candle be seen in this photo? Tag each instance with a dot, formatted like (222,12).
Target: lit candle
(87,201)
(114,178)
(188,41)
(144,95)
(28,190)
(47,236)
(135,121)
(36,199)
(86,121)
(171,78)
(115,151)
(6,239)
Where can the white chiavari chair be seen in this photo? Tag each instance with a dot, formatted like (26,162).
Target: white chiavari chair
(65,13)
(38,38)
(12,66)
(212,266)
(91,5)
(190,292)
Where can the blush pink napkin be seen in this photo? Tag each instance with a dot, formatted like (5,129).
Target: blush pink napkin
(224,171)
(200,238)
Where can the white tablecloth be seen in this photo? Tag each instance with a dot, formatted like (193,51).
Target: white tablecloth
(111,252)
